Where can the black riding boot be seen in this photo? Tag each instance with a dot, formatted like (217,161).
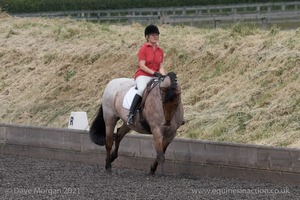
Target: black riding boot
(133,108)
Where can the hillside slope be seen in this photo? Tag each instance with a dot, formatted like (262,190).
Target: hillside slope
(239,84)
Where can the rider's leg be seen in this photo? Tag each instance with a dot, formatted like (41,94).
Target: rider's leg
(133,108)
(141,83)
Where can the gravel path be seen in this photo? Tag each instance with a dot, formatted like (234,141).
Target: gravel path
(31,178)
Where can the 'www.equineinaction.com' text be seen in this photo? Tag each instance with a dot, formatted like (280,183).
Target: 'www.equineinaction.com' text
(240,191)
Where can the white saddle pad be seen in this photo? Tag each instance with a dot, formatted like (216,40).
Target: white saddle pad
(127,101)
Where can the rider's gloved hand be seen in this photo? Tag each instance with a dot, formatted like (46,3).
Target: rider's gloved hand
(158,75)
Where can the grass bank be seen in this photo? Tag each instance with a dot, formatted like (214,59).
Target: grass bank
(240,84)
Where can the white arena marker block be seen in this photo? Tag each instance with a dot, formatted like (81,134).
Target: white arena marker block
(78,120)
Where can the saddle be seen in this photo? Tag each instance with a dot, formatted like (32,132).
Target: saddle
(127,101)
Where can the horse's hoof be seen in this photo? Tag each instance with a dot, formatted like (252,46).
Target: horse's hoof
(113,158)
(151,173)
(109,170)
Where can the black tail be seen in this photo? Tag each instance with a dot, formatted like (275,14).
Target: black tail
(97,130)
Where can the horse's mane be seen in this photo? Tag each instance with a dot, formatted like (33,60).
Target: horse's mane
(170,97)
(170,93)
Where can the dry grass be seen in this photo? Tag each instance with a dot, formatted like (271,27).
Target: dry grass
(240,84)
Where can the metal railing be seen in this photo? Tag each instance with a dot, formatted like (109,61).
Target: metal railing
(264,12)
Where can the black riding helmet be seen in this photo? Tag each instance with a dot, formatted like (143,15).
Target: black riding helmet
(151,29)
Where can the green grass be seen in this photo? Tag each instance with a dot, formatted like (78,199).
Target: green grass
(29,25)
(48,58)
(274,30)
(63,33)
(69,75)
(243,29)
(258,135)
(10,33)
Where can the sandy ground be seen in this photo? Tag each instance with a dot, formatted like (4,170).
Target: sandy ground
(28,178)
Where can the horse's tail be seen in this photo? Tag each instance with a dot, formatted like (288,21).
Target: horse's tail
(97,130)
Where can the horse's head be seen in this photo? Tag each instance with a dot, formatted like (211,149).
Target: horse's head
(170,91)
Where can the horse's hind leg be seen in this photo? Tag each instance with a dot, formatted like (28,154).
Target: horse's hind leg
(108,145)
(124,129)
(109,142)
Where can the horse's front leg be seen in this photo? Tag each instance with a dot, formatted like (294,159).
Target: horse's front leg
(160,159)
(160,145)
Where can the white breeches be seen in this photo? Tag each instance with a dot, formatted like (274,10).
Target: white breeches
(141,83)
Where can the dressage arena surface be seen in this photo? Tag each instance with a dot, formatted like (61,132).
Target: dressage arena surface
(33,178)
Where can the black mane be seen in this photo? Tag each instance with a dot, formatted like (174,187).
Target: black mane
(171,92)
